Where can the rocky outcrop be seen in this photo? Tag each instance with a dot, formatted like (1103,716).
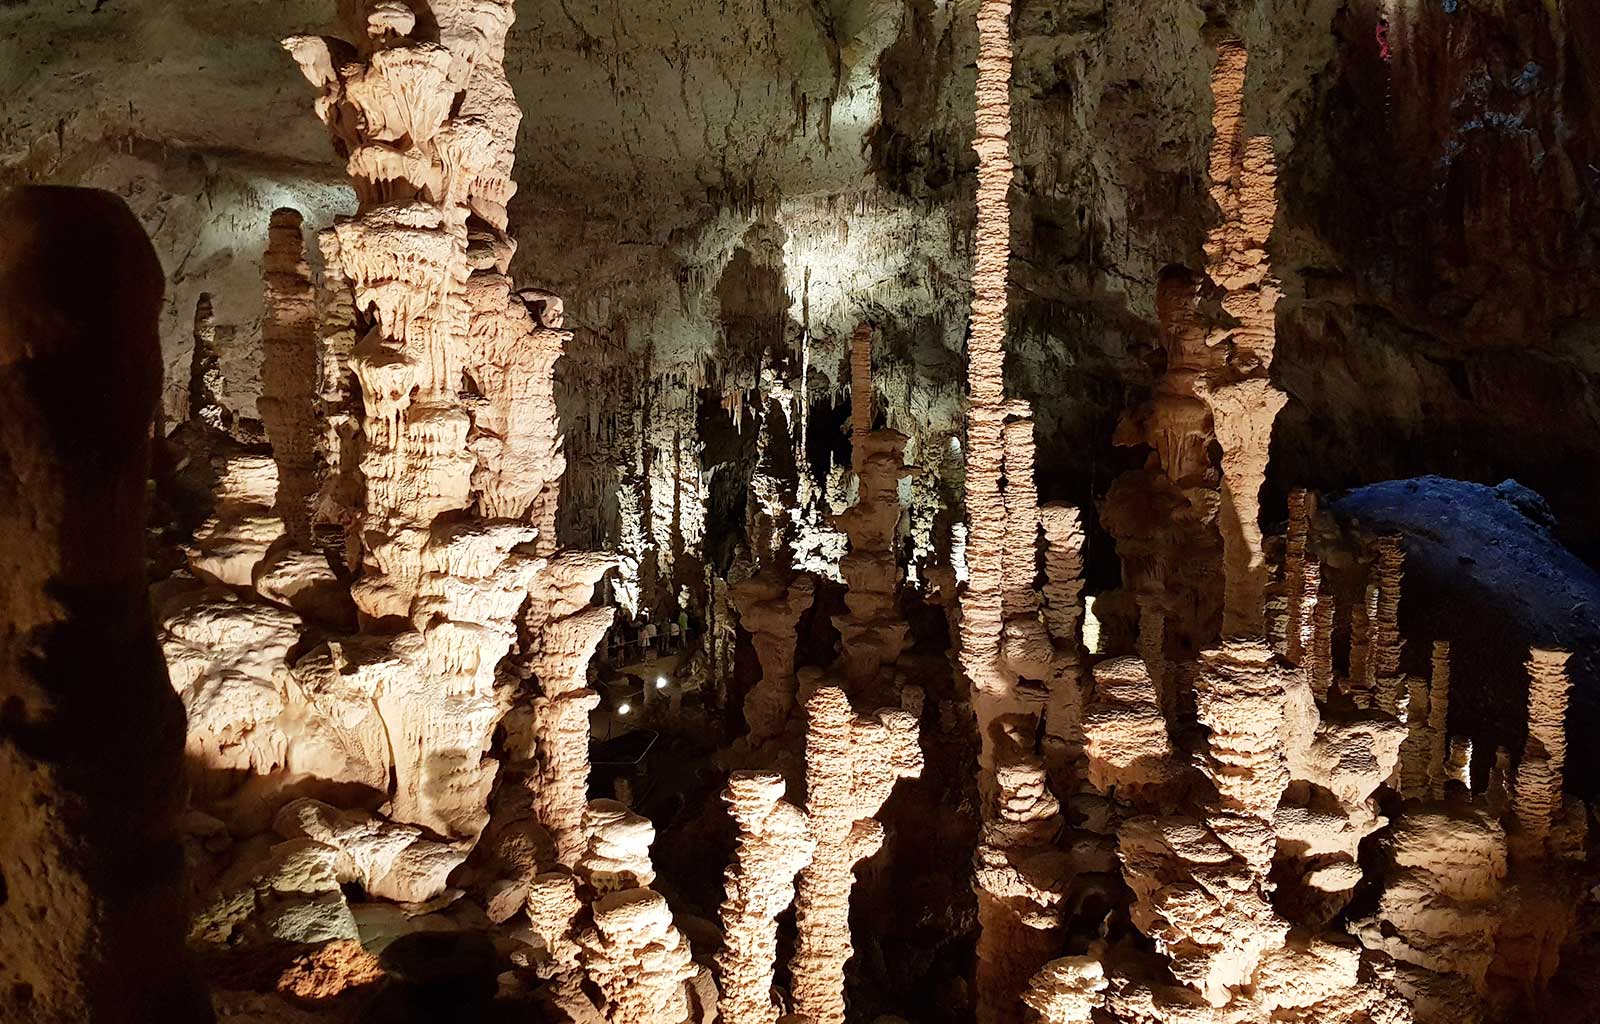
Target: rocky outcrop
(91,895)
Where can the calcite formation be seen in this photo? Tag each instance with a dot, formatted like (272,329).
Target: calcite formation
(775,843)
(874,633)
(852,765)
(91,902)
(289,371)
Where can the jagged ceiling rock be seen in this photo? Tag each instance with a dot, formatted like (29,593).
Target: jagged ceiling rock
(1436,238)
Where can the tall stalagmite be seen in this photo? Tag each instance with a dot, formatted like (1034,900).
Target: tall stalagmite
(458,416)
(91,903)
(287,404)
(1243,401)
(852,765)
(775,843)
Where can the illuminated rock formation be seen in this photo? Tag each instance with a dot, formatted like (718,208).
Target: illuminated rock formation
(1125,734)
(1239,696)
(874,633)
(852,765)
(1300,597)
(92,902)
(232,543)
(618,856)
(563,631)
(1440,906)
(1021,875)
(429,129)
(388,860)
(289,373)
(637,959)
(770,606)
(774,844)
(1067,991)
(339,499)
(1537,799)
(1242,399)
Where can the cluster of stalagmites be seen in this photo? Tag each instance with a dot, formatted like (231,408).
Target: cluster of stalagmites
(372,601)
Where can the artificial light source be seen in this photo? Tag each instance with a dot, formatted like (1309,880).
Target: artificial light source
(624,708)
(661,682)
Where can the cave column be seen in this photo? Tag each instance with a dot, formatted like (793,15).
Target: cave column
(92,921)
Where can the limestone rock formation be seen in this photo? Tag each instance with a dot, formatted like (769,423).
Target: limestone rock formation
(91,904)
(775,843)
(852,765)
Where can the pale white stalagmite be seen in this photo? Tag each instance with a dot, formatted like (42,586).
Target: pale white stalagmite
(1021,876)
(231,544)
(618,856)
(563,630)
(287,406)
(206,382)
(982,614)
(1243,401)
(1536,798)
(774,843)
(1319,655)
(1362,682)
(637,959)
(1125,735)
(852,765)
(430,129)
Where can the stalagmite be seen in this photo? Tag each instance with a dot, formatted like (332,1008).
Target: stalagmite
(1021,878)
(852,765)
(91,896)
(1067,991)
(1125,734)
(769,609)
(1386,642)
(289,372)
(563,630)
(1537,797)
(618,856)
(1298,628)
(339,498)
(874,633)
(1319,659)
(774,844)
(1243,401)
(637,959)
(1438,720)
(1063,566)
(457,416)
(205,371)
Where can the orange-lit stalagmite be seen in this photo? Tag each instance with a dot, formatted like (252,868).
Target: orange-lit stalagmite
(1244,402)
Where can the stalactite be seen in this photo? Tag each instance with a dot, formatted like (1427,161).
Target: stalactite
(852,765)
(774,844)
(289,372)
